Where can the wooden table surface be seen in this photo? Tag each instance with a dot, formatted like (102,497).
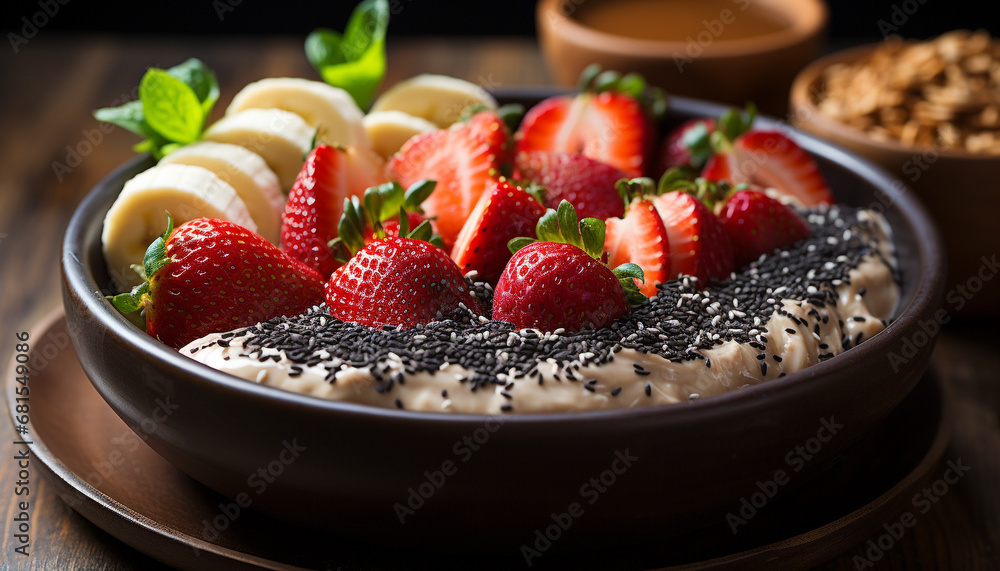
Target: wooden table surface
(47,92)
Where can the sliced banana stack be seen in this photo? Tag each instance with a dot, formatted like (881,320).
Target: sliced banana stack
(281,137)
(330,109)
(247,173)
(437,98)
(388,130)
(138,216)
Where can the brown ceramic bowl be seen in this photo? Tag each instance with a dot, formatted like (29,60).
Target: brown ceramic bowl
(705,65)
(958,187)
(356,467)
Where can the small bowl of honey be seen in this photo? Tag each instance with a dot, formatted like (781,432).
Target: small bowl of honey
(731,51)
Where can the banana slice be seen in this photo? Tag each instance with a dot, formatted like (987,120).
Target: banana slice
(388,130)
(138,215)
(330,109)
(247,173)
(281,137)
(438,98)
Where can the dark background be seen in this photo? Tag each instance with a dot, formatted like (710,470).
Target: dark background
(850,19)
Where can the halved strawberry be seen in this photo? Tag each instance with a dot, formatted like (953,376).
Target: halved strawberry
(759,224)
(503,213)
(316,201)
(772,160)
(608,121)
(699,244)
(587,184)
(462,159)
(641,238)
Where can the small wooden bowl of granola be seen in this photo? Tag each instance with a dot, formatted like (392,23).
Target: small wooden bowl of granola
(929,113)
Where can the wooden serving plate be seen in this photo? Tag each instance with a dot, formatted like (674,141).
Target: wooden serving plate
(104,471)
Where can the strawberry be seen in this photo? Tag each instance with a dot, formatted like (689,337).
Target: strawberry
(587,184)
(699,243)
(503,213)
(772,160)
(462,159)
(688,145)
(315,202)
(640,237)
(211,275)
(759,224)
(560,283)
(398,282)
(608,121)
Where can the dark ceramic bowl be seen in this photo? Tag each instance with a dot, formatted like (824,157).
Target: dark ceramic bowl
(456,482)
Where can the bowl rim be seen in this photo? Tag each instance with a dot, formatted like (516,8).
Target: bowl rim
(807,18)
(804,110)
(81,287)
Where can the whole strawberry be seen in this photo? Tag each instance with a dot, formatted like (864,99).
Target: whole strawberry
(398,282)
(212,275)
(560,282)
(759,224)
(315,203)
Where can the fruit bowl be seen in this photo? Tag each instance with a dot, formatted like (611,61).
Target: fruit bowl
(421,479)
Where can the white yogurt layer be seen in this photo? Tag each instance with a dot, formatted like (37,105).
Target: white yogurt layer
(862,308)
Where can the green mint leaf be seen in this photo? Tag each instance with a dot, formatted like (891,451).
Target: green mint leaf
(171,106)
(323,48)
(354,62)
(196,75)
(128,116)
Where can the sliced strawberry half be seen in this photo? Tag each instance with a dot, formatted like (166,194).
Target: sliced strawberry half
(759,224)
(608,127)
(772,160)
(462,159)
(316,202)
(699,244)
(587,184)
(503,213)
(640,238)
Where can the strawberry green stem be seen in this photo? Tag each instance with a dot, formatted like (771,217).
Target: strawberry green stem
(154,260)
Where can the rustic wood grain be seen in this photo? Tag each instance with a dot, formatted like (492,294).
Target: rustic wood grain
(47,94)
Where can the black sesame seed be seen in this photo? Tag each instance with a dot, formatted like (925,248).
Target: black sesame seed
(399,403)
(763,368)
(615,392)
(790,331)
(649,390)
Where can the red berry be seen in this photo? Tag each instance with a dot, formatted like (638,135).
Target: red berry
(398,281)
(462,159)
(640,238)
(759,224)
(688,145)
(316,202)
(217,276)
(699,245)
(587,184)
(505,212)
(609,127)
(548,285)
(770,159)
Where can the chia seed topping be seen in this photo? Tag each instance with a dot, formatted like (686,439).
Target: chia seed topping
(677,324)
